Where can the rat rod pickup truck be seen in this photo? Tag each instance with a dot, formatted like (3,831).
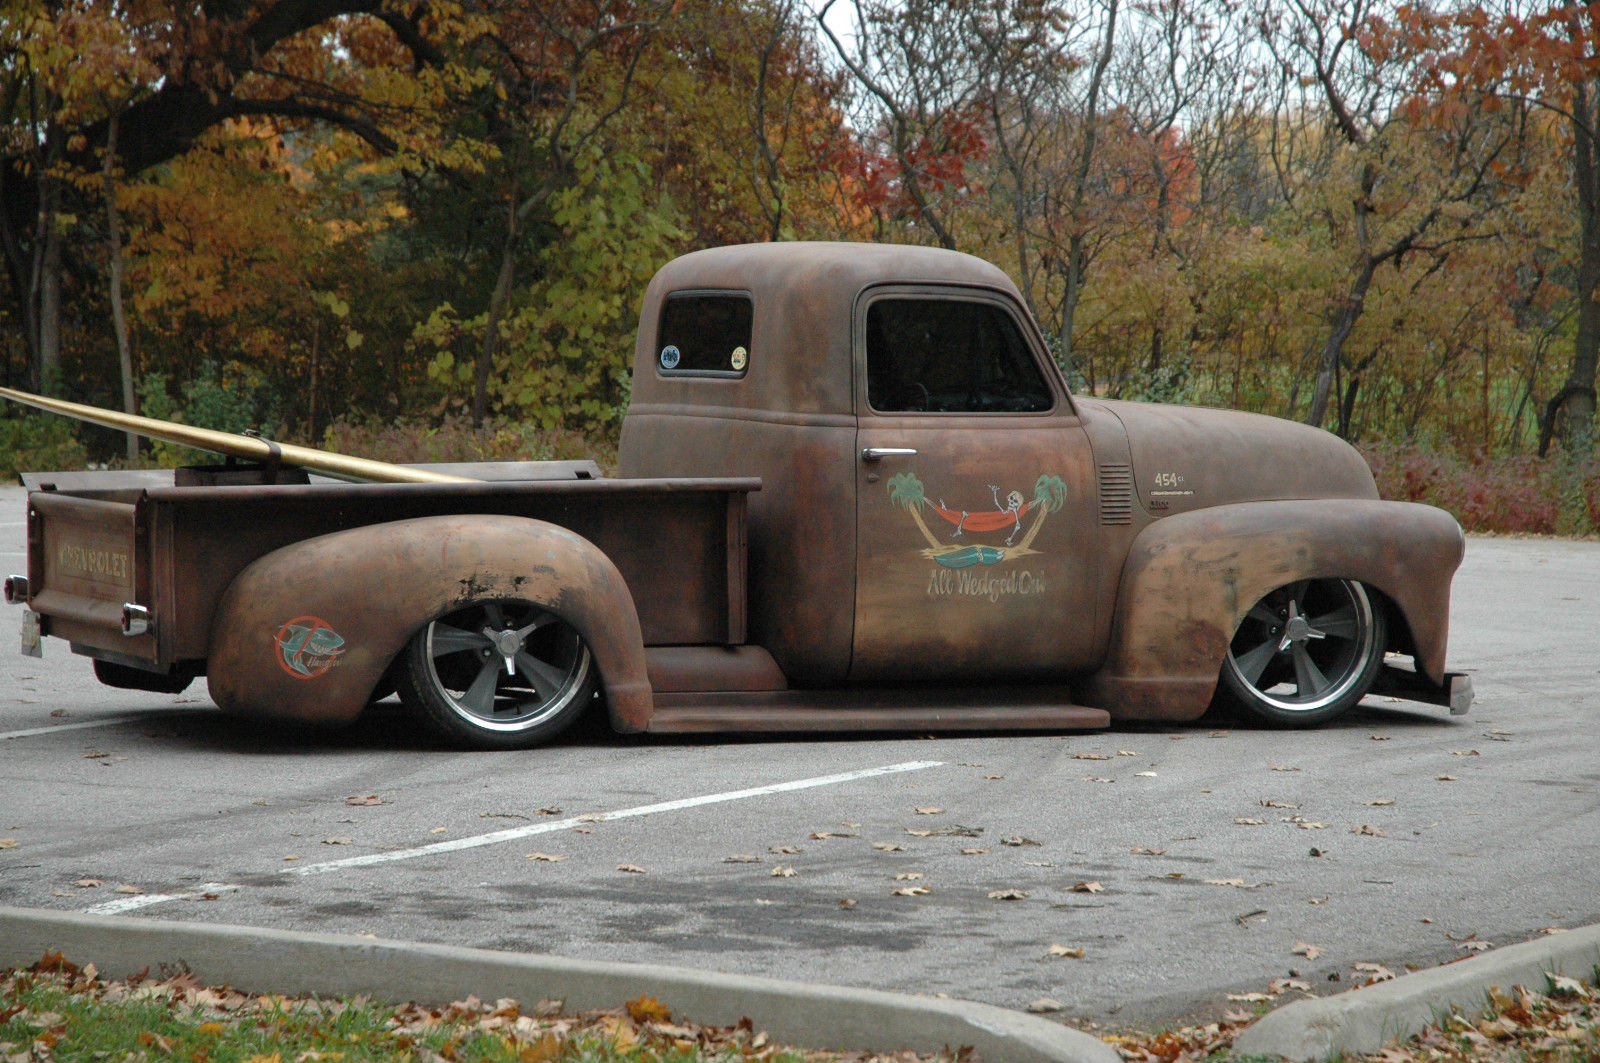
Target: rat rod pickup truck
(853,493)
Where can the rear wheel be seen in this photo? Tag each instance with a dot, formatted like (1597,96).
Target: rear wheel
(1306,652)
(501,674)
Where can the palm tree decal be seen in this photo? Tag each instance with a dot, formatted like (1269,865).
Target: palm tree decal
(1050,495)
(906,491)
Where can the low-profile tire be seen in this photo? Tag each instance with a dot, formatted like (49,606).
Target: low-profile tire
(453,674)
(1306,653)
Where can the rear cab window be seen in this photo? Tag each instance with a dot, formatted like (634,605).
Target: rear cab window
(705,333)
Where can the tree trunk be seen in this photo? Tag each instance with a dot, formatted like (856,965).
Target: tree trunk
(1077,258)
(491,329)
(1577,410)
(119,319)
(47,288)
(1344,322)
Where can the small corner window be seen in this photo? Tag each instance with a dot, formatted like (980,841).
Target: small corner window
(950,356)
(705,334)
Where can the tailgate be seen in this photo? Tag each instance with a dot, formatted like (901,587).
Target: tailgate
(85,560)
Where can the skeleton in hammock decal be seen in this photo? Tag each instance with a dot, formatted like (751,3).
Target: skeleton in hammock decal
(1049,495)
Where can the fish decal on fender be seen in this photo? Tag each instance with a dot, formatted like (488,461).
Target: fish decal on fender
(308,647)
(1049,496)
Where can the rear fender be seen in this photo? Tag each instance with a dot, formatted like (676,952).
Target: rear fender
(306,632)
(1190,579)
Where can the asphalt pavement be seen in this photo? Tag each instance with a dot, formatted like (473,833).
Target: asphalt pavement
(1186,864)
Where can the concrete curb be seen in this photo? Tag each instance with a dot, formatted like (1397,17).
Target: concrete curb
(1363,1021)
(287,962)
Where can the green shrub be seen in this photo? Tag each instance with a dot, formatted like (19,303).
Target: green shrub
(38,442)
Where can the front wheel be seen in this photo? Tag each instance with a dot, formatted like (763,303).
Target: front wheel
(1306,652)
(497,675)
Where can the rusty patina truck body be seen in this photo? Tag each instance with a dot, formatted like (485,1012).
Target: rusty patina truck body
(853,492)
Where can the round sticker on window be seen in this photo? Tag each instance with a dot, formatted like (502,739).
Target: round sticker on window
(738,359)
(669,357)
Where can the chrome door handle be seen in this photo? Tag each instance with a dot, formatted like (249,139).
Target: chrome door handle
(879,453)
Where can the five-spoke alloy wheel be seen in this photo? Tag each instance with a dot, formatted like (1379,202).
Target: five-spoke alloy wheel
(497,675)
(1306,652)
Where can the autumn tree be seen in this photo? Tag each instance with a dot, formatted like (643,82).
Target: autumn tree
(164,73)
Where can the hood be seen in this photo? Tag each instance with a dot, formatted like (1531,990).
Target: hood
(1188,458)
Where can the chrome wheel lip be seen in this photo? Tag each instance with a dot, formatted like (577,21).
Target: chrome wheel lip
(574,681)
(1353,669)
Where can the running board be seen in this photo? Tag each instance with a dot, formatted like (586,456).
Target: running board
(873,710)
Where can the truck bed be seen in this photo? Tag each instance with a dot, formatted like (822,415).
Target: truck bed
(680,544)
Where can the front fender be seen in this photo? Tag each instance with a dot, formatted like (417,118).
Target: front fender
(1189,580)
(305,632)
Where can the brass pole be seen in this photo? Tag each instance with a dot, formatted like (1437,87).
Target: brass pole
(252,448)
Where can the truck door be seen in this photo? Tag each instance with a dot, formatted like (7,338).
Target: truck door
(975,502)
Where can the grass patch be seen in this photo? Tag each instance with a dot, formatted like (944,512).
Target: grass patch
(58,1011)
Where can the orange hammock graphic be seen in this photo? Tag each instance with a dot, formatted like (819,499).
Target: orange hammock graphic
(987,521)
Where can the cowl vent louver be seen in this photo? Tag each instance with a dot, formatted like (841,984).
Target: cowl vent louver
(1116,494)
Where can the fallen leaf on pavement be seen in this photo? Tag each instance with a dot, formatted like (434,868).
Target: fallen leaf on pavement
(1306,824)
(823,835)
(784,872)
(911,891)
(1249,998)
(1310,952)
(89,883)
(1019,840)
(784,850)
(973,852)
(889,847)
(1064,950)
(1464,753)
(336,841)
(291,856)
(1008,895)
(1283,985)
(1317,900)
(1244,821)
(1445,778)
(1090,756)
(929,810)
(1145,774)
(1126,753)
(1377,972)
(8,843)
(1088,887)
(129,889)
(1376,832)
(1380,802)
(1283,767)
(908,876)
(1379,738)
(1477,946)
(632,869)
(1096,778)
(741,858)
(1046,1004)
(1146,852)
(1276,804)
(848,902)
(1239,882)
(438,830)
(370,799)
(549,858)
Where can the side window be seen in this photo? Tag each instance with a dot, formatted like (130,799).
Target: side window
(705,334)
(949,356)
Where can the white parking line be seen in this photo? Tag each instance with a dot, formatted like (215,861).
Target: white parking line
(145,900)
(6,736)
(514,833)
